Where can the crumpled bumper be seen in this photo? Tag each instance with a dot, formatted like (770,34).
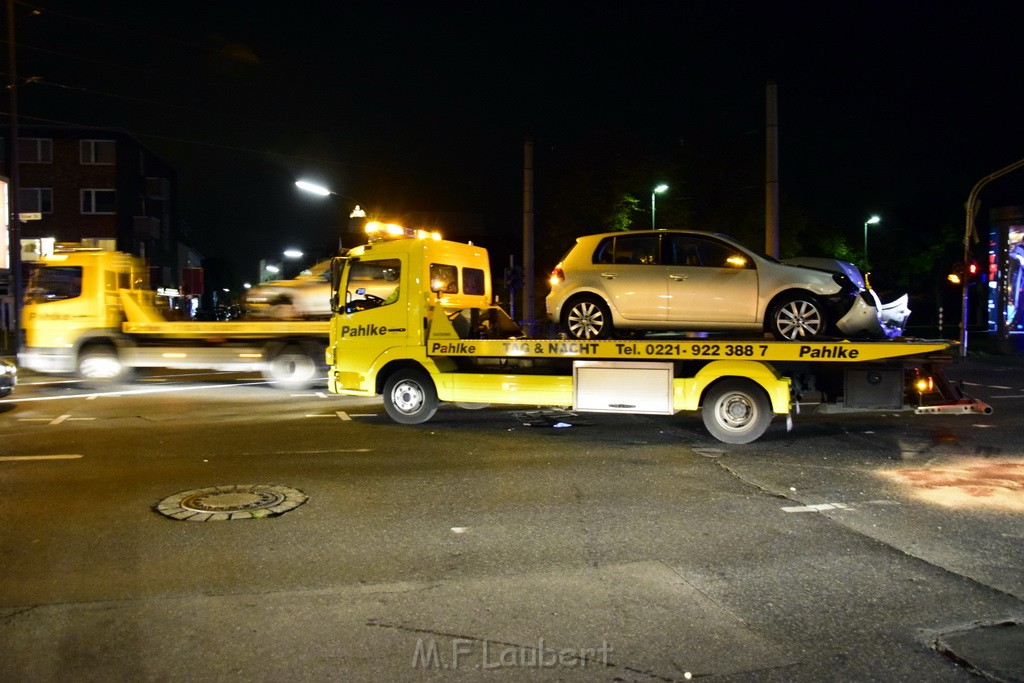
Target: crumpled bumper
(871,318)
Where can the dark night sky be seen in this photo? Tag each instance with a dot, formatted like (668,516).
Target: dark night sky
(895,108)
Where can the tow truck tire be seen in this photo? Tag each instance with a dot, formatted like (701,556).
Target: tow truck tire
(736,411)
(410,397)
(102,366)
(292,369)
(797,316)
(587,317)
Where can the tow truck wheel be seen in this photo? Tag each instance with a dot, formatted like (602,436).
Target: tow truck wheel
(587,318)
(797,316)
(410,397)
(292,369)
(101,365)
(736,411)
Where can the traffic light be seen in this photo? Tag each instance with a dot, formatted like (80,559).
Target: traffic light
(969,273)
(513,277)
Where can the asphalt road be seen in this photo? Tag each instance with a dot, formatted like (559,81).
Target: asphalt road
(475,547)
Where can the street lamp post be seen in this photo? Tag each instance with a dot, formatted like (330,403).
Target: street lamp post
(658,190)
(871,221)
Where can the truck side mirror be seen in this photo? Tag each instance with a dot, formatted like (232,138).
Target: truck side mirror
(337,268)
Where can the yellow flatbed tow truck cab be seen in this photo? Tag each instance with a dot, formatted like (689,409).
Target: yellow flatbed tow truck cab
(91,313)
(413,321)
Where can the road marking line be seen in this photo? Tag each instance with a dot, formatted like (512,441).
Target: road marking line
(1009,396)
(344,416)
(7,458)
(319,416)
(363,415)
(54,420)
(816,508)
(131,392)
(321,394)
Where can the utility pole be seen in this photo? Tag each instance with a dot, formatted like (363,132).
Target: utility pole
(14,183)
(771,182)
(528,234)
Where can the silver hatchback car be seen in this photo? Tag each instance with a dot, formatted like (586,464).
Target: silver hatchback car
(681,280)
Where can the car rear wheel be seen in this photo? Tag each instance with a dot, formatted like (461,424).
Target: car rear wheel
(736,411)
(797,316)
(587,318)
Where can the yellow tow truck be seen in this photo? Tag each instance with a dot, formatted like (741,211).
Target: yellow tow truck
(91,313)
(413,321)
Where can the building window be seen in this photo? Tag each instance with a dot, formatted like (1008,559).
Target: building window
(35,150)
(99,201)
(98,151)
(35,200)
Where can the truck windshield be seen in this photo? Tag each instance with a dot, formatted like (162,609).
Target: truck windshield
(54,283)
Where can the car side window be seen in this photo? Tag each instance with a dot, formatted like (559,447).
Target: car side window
(637,249)
(693,250)
(682,250)
(715,254)
(605,252)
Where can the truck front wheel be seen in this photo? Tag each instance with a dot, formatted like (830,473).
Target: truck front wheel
(736,411)
(101,365)
(410,397)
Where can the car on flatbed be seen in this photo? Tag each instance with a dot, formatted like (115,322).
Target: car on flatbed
(688,280)
(307,296)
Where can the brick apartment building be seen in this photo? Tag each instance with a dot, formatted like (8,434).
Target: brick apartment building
(99,188)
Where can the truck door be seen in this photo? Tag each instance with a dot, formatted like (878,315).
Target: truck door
(373,315)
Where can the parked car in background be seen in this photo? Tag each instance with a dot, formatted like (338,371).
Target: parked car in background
(686,280)
(308,296)
(8,377)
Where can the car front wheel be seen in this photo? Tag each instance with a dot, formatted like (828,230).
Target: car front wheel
(797,316)
(587,318)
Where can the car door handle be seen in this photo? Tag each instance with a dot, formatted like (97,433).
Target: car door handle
(609,276)
(678,278)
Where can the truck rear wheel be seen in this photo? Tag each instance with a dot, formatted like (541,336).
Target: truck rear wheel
(292,369)
(736,411)
(410,397)
(101,365)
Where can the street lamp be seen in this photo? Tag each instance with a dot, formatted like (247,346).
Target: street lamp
(275,268)
(658,190)
(313,187)
(871,221)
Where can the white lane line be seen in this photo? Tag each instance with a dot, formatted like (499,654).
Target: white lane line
(816,508)
(131,392)
(344,416)
(54,420)
(319,415)
(1008,396)
(9,458)
(321,394)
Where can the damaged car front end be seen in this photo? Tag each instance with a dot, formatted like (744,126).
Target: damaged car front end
(867,316)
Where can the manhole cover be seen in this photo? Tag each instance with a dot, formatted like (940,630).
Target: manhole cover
(222,503)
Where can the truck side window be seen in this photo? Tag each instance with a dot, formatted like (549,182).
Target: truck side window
(372,284)
(472,281)
(444,278)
